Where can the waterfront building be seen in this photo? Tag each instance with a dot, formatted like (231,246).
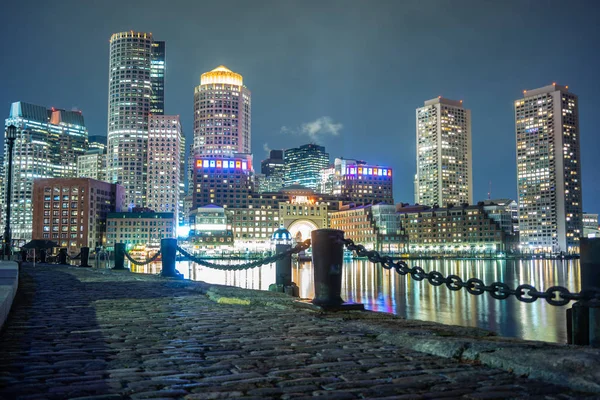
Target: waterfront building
(328,180)
(47,146)
(222,108)
(303,165)
(164,163)
(590,225)
(363,183)
(302,213)
(444,163)
(459,230)
(130,97)
(92,165)
(73,211)
(210,227)
(253,226)
(97,142)
(505,212)
(377,227)
(549,170)
(139,229)
(273,169)
(226,182)
(157,77)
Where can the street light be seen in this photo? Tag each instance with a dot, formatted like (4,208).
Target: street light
(11,135)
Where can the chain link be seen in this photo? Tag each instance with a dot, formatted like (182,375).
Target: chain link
(136,262)
(555,295)
(229,267)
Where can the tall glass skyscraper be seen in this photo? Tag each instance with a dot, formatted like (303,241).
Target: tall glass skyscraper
(157,78)
(48,143)
(444,163)
(549,170)
(130,100)
(222,107)
(303,165)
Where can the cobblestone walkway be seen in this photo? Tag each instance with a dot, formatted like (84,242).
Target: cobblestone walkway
(83,334)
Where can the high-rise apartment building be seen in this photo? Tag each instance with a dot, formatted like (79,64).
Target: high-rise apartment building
(444,163)
(303,165)
(92,165)
(133,77)
(165,141)
(549,170)
(157,78)
(222,106)
(47,146)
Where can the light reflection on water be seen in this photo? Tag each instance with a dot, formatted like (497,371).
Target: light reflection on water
(386,291)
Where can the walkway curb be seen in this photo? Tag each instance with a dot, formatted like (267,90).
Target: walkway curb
(9,283)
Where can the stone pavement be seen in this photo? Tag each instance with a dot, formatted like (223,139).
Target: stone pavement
(98,334)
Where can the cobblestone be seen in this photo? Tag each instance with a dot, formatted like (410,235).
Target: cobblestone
(97,335)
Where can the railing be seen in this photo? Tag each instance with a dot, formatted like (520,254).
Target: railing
(583,319)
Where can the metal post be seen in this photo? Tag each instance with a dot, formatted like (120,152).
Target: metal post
(590,281)
(328,260)
(119,257)
(168,252)
(85,254)
(42,256)
(11,135)
(283,267)
(62,257)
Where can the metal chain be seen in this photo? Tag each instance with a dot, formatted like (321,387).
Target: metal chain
(555,295)
(74,257)
(268,260)
(136,262)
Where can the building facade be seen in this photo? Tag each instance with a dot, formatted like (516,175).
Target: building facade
(549,170)
(73,211)
(303,165)
(210,227)
(452,231)
(164,167)
(377,227)
(444,162)
(273,170)
(365,184)
(505,212)
(139,229)
(590,225)
(222,109)
(157,77)
(92,165)
(97,142)
(48,143)
(130,99)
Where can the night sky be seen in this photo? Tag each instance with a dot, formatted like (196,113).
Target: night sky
(346,74)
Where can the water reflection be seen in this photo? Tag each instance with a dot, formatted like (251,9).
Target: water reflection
(386,291)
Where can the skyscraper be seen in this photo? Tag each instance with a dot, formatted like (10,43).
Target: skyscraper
(549,170)
(47,146)
(164,163)
(157,78)
(444,164)
(303,165)
(273,171)
(222,106)
(129,100)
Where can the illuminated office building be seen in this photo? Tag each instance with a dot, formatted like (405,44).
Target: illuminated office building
(130,98)
(97,142)
(362,183)
(157,78)
(303,165)
(47,146)
(165,141)
(92,165)
(549,170)
(273,171)
(222,106)
(444,164)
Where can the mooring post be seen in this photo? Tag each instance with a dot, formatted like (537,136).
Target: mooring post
(85,255)
(62,257)
(42,256)
(283,273)
(168,252)
(328,261)
(590,281)
(119,256)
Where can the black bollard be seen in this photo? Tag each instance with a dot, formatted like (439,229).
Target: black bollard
(85,255)
(23,255)
(283,273)
(42,256)
(168,252)
(119,257)
(590,281)
(62,257)
(328,261)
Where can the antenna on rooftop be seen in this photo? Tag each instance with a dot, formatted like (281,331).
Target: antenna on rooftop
(490,191)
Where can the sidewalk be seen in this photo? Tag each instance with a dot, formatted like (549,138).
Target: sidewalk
(100,334)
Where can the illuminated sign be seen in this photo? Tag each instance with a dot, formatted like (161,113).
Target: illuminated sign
(373,171)
(219,163)
(223,164)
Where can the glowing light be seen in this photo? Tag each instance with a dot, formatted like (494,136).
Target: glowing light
(205,163)
(212,163)
(219,163)
(244,165)
(223,75)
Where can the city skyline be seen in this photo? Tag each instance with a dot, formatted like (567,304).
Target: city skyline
(323,110)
